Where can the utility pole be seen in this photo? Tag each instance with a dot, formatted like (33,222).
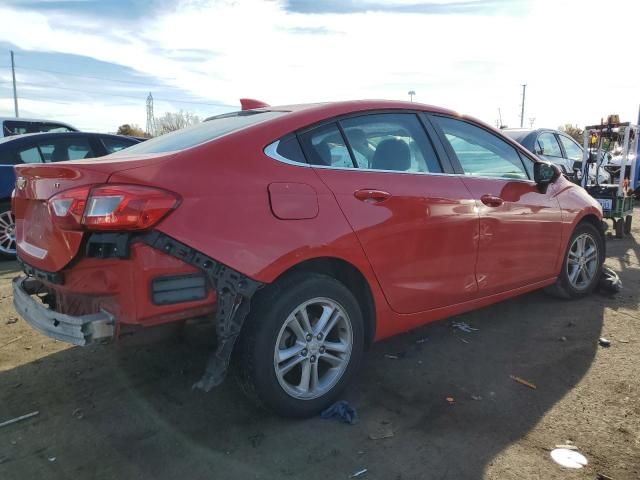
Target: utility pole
(500,117)
(532,120)
(524,92)
(411,94)
(15,92)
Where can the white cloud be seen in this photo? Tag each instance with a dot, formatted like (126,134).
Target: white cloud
(577,58)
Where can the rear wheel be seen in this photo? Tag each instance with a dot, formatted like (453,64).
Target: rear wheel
(302,343)
(582,263)
(7,233)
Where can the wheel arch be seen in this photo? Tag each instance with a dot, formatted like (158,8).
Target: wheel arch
(599,225)
(351,277)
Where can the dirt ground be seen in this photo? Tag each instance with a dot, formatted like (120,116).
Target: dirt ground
(125,413)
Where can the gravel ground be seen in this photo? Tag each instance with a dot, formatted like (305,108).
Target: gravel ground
(129,412)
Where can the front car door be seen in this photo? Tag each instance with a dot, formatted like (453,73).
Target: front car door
(548,148)
(416,223)
(520,226)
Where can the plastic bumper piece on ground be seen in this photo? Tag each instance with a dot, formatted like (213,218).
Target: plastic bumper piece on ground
(80,330)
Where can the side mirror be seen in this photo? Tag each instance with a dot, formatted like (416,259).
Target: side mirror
(545,173)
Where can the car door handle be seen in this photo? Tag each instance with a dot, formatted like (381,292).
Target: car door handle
(371,196)
(491,200)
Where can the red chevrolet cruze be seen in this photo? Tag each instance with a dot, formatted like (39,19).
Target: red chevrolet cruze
(303,233)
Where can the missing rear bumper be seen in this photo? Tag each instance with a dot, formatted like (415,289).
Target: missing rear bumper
(78,330)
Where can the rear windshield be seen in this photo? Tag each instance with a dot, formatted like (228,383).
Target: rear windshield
(206,131)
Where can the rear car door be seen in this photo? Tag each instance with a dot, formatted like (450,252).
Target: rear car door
(416,223)
(520,226)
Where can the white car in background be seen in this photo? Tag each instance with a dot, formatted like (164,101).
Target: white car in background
(10,126)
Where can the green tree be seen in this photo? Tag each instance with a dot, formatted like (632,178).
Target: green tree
(573,131)
(131,130)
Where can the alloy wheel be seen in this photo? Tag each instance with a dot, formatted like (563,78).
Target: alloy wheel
(582,261)
(7,233)
(313,348)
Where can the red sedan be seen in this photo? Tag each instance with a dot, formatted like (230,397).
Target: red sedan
(303,233)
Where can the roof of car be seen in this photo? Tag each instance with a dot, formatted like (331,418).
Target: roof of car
(36,120)
(43,135)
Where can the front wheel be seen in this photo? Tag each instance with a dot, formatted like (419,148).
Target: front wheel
(303,341)
(582,263)
(7,233)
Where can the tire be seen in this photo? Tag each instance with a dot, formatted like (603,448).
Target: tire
(627,224)
(619,228)
(271,327)
(567,288)
(7,233)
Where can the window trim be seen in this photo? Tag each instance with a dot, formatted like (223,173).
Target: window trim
(270,149)
(453,158)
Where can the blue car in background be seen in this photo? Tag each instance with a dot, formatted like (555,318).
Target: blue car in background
(45,148)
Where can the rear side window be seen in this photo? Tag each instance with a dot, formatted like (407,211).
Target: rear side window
(390,142)
(206,131)
(62,149)
(481,153)
(326,147)
(573,150)
(30,155)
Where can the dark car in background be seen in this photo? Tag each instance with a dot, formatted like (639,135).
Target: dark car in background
(551,145)
(45,148)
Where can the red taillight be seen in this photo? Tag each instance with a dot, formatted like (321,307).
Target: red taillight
(111,207)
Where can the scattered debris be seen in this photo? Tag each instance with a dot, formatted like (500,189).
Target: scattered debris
(464,326)
(571,324)
(19,419)
(623,341)
(359,473)
(384,430)
(256,439)
(476,397)
(563,339)
(78,413)
(602,476)
(604,342)
(52,459)
(11,341)
(422,340)
(567,446)
(463,340)
(609,281)
(568,458)
(342,411)
(451,400)
(523,381)
(3,459)
(12,320)
(27,347)
(391,356)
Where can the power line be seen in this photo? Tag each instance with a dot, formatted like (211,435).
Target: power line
(56,72)
(93,92)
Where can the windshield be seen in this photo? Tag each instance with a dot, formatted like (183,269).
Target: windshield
(206,131)
(517,135)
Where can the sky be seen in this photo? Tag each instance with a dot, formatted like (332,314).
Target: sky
(92,63)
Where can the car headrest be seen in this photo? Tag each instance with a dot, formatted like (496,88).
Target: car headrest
(392,154)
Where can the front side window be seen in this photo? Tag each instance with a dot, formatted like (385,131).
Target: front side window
(62,149)
(573,150)
(547,145)
(325,147)
(392,142)
(481,153)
